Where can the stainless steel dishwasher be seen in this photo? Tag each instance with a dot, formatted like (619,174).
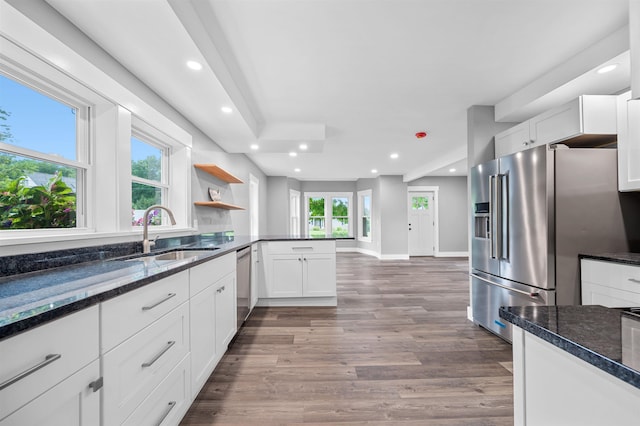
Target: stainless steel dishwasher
(243,284)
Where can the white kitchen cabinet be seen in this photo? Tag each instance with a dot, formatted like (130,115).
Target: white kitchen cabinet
(168,403)
(634,46)
(134,368)
(585,115)
(303,270)
(628,143)
(213,316)
(610,284)
(52,352)
(553,387)
(71,402)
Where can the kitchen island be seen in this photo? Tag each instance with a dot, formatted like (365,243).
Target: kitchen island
(575,365)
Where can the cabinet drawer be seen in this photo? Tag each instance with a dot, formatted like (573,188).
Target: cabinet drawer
(295,247)
(58,349)
(125,315)
(611,274)
(135,367)
(205,274)
(168,403)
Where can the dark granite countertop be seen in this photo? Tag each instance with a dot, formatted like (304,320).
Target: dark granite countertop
(40,287)
(595,334)
(627,258)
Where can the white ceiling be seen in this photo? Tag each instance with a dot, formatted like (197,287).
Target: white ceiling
(354,79)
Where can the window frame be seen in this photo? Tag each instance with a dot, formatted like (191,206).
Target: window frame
(82,163)
(361,196)
(328,211)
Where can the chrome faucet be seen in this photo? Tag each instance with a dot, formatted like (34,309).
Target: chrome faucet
(146,244)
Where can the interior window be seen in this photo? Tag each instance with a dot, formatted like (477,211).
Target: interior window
(148,180)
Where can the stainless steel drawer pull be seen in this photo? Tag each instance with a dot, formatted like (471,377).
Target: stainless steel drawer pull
(166,413)
(47,360)
(220,290)
(157,357)
(633,280)
(149,307)
(302,248)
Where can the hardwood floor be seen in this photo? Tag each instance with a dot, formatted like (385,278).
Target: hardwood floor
(398,350)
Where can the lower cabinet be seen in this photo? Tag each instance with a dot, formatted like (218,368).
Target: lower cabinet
(133,369)
(300,270)
(213,318)
(610,284)
(553,387)
(70,403)
(168,403)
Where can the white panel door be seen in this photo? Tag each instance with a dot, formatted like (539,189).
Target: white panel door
(421,224)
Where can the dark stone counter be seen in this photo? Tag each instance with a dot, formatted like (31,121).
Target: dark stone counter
(626,258)
(39,287)
(598,335)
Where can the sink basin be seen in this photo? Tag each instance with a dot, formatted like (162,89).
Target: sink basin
(182,254)
(173,256)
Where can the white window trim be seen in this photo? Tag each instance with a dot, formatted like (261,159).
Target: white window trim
(328,210)
(108,200)
(361,195)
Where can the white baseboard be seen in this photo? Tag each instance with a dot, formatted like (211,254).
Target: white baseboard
(469,313)
(394,257)
(299,301)
(453,254)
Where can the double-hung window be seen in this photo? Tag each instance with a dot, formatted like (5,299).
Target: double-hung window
(44,155)
(329,215)
(364,213)
(149,178)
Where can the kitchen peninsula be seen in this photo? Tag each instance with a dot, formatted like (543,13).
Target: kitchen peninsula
(575,365)
(118,337)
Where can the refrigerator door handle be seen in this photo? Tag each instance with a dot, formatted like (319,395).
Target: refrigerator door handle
(504,215)
(532,294)
(493,216)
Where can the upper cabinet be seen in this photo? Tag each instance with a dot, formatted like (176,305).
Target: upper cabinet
(589,120)
(634,44)
(628,143)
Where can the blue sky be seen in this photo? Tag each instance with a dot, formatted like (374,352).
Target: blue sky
(42,124)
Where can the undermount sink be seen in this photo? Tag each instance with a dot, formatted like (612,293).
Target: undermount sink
(173,256)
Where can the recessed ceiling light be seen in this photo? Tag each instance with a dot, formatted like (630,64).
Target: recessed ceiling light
(226,110)
(374,170)
(304,146)
(607,68)
(297,170)
(394,155)
(452,170)
(293,154)
(194,65)
(255,146)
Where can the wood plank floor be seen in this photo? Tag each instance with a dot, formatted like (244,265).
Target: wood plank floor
(398,350)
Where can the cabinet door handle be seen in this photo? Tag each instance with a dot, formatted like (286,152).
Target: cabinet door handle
(149,307)
(302,248)
(166,413)
(633,280)
(157,357)
(47,360)
(299,260)
(220,290)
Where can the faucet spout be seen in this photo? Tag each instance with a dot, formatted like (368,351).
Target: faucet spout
(146,244)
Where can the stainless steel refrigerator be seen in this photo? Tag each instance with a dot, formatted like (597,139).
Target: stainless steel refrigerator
(533,212)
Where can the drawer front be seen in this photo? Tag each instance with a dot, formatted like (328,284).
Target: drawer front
(125,315)
(611,274)
(53,352)
(203,275)
(168,403)
(296,247)
(133,369)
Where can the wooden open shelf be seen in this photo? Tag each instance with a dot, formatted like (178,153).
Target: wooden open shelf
(218,205)
(218,172)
